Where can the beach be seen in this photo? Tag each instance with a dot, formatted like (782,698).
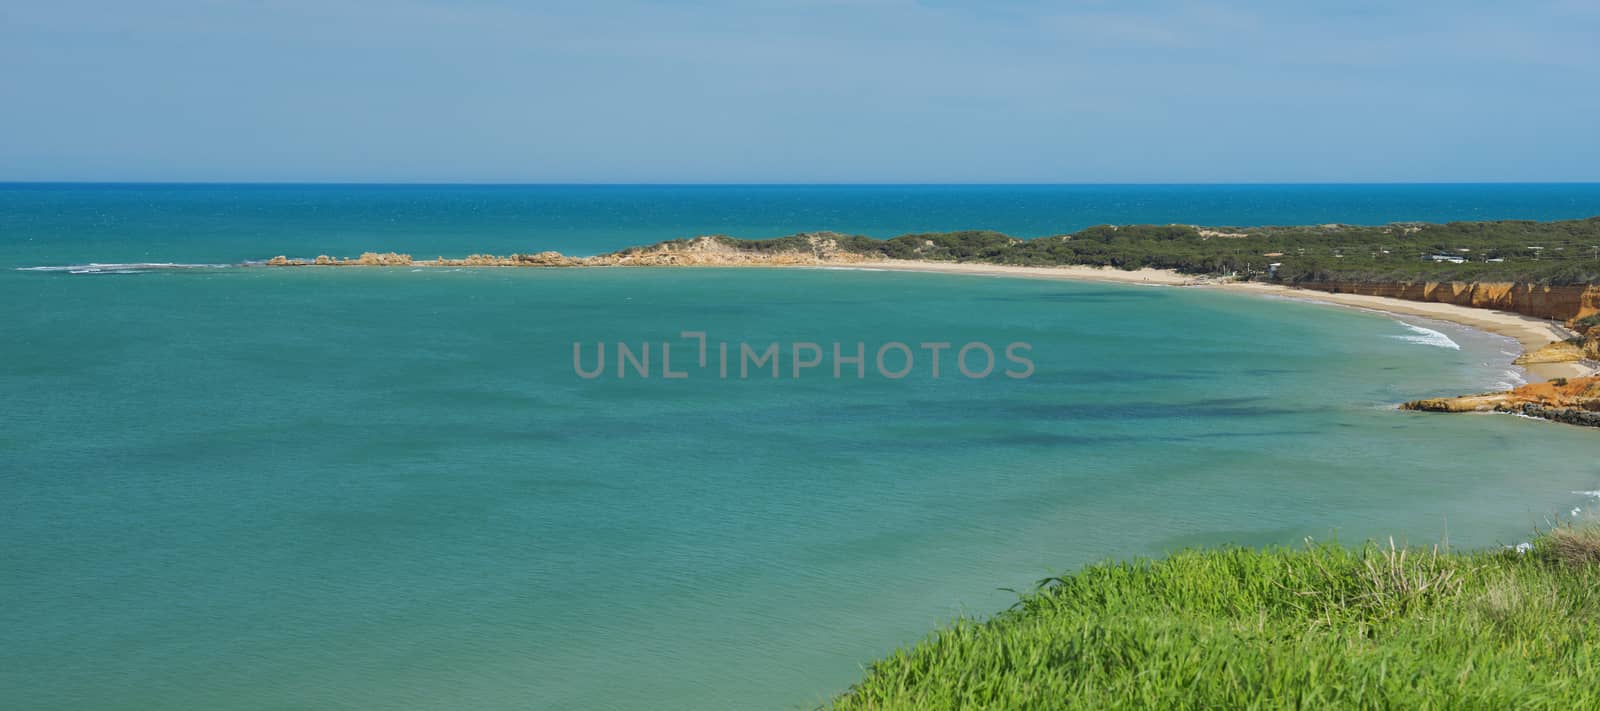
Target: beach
(1531,333)
(1164,277)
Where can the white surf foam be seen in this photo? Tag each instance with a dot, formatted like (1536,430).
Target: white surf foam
(121,268)
(1427,337)
(1510,380)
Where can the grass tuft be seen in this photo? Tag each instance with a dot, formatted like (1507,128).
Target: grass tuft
(1324,626)
(1572,546)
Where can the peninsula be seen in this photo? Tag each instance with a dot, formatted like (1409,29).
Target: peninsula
(1537,282)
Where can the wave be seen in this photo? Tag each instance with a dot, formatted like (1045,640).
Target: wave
(1511,380)
(1427,337)
(122,268)
(1576,510)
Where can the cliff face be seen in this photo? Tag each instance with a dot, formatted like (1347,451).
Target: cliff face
(1559,303)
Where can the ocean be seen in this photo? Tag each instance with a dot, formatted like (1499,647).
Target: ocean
(250,488)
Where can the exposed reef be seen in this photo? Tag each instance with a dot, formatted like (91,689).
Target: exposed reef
(391,259)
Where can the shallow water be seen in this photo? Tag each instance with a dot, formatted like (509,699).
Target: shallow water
(260,488)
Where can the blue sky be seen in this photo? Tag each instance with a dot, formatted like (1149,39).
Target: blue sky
(799,91)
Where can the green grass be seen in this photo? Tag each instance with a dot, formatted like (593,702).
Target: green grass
(1320,627)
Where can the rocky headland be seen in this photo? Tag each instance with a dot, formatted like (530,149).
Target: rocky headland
(1574,401)
(1570,400)
(812,248)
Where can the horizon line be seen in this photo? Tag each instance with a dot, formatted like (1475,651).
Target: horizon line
(402,183)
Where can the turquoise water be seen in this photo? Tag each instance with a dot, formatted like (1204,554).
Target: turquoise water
(250,488)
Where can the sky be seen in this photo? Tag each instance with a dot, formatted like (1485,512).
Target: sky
(799,91)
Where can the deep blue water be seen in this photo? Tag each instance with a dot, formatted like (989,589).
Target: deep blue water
(233,222)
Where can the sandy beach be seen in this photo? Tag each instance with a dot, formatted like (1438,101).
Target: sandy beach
(1077,273)
(1531,333)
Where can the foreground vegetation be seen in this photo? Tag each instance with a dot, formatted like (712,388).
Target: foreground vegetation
(1560,252)
(1322,627)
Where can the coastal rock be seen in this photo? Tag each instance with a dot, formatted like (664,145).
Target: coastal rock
(1589,335)
(544,259)
(1558,352)
(387,259)
(1574,401)
(720,250)
(1567,415)
(393,259)
(1489,402)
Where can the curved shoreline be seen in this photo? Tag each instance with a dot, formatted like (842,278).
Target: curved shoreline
(1529,332)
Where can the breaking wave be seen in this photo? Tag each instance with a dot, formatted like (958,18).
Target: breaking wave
(122,268)
(1427,337)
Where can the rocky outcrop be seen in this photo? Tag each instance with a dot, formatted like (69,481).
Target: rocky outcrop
(367,259)
(1588,336)
(719,250)
(1574,401)
(388,259)
(1567,415)
(1558,352)
(1558,303)
(391,259)
(542,259)
(1487,402)
(712,250)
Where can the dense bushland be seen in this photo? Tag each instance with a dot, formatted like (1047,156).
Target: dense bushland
(1562,252)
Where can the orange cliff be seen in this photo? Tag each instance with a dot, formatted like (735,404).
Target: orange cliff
(1557,303)
(1574,401)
